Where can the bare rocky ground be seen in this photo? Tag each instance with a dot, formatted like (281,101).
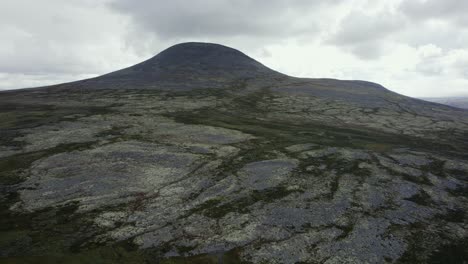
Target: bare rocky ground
(257,172)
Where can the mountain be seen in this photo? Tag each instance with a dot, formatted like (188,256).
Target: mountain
(203,155)
(185,66)
(459,102)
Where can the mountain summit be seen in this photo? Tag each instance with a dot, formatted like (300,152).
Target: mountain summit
(188,66)
(202,57)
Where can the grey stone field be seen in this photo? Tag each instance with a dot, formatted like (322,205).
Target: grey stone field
(203,155)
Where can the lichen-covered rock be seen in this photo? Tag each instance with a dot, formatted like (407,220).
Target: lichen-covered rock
(95,177)
(266,174)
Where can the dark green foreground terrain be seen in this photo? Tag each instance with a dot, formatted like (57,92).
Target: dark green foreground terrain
(153,164)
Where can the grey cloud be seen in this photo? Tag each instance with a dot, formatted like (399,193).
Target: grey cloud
(56,39)
(359,27)
(461,65)
(35,55)
(447,37)
(440,22)
(364,35)
(449,10)
(369,50)
(429,68)
(444,64)
(222,18)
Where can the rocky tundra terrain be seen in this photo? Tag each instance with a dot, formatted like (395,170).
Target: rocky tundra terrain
(203,155)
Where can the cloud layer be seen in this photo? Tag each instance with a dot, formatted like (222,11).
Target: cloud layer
(413,47)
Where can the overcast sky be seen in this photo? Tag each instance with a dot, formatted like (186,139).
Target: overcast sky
(414,47)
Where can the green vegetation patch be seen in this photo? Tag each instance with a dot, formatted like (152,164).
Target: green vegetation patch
(215,208)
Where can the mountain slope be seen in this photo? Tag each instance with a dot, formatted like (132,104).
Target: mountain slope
(203,155)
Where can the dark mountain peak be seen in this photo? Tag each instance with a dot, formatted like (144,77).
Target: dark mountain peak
(186,66)
(196,54)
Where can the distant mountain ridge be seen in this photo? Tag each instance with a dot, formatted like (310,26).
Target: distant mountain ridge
(459,102)
(195,65)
